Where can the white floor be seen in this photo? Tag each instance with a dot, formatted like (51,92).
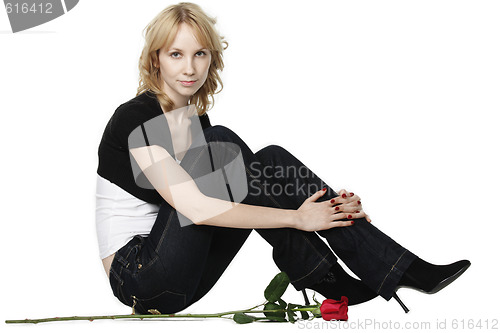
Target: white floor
(400,102)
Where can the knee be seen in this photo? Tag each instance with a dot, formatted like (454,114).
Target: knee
(219,132)
(271,151)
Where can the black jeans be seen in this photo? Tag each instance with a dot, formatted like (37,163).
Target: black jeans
(176,265)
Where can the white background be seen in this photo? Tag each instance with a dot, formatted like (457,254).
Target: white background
(394,100)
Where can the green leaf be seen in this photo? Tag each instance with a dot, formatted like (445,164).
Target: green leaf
(274,306)
(315,300)
(297,307)
(271,319)
(282,303)
(277,287)
(291,315)
(242,318)
(304,315)
(280,319)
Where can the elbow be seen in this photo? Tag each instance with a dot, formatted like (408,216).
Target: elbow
(205,210)
(193,209)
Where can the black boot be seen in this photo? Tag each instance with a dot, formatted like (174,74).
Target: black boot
(338,283)
(429,278)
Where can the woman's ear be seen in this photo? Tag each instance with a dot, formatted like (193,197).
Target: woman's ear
(155,59)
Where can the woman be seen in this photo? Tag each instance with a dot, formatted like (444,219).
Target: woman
(177,197)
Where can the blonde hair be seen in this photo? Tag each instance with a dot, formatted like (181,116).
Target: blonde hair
(161,31)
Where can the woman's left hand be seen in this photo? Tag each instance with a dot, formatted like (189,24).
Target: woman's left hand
(349,202)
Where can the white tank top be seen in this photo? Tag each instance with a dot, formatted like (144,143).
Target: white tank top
(120,216)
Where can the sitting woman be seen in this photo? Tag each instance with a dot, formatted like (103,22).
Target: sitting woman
(177,197)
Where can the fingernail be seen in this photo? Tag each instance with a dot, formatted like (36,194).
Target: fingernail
(359,202)
(324,189)
(344,196)
(357,211)
(332,201)
(352,194)
(337,208)
(352,222)
(349,216)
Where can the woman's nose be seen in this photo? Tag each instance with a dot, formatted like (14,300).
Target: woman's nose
(189,67)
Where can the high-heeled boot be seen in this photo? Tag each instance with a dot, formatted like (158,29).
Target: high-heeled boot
(429,278)
(338,283)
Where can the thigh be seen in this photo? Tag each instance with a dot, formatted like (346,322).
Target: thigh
(289,177)
(226,242)
(178,261)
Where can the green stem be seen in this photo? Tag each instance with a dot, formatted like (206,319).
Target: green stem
(255,306)
(136,316)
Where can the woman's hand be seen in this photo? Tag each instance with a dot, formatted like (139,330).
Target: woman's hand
(348,202)
(315,216)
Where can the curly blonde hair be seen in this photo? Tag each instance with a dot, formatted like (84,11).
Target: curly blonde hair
(161,31)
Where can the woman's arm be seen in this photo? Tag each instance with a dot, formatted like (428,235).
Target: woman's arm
(177,187)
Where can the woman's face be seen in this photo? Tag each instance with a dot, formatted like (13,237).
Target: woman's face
(183,66)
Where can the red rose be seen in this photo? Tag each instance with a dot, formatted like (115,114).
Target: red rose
(332,309)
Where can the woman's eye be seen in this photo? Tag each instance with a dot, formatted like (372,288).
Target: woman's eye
(200,53)
(175,54)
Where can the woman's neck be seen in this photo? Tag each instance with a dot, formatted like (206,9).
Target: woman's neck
(179,115)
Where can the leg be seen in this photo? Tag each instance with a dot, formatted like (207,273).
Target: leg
(174,266)
(377,259)
(335,282)
(222,250)
(303,256)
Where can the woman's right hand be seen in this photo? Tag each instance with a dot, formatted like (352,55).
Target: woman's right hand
(315,216)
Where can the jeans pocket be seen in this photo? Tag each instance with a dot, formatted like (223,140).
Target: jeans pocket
(166,302)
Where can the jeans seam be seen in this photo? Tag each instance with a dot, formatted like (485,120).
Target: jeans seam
(115,275)
(235,153)
(125,259)
(151,262)
(262,188)
(197,159)
(312,246)
(160,242)
(183,295)
(164,232)
(323,259)
(377,253)
(392,268)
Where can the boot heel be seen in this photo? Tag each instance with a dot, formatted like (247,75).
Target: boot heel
(306,300)
(400,302)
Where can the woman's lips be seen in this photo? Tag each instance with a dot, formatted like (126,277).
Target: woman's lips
(187,83)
